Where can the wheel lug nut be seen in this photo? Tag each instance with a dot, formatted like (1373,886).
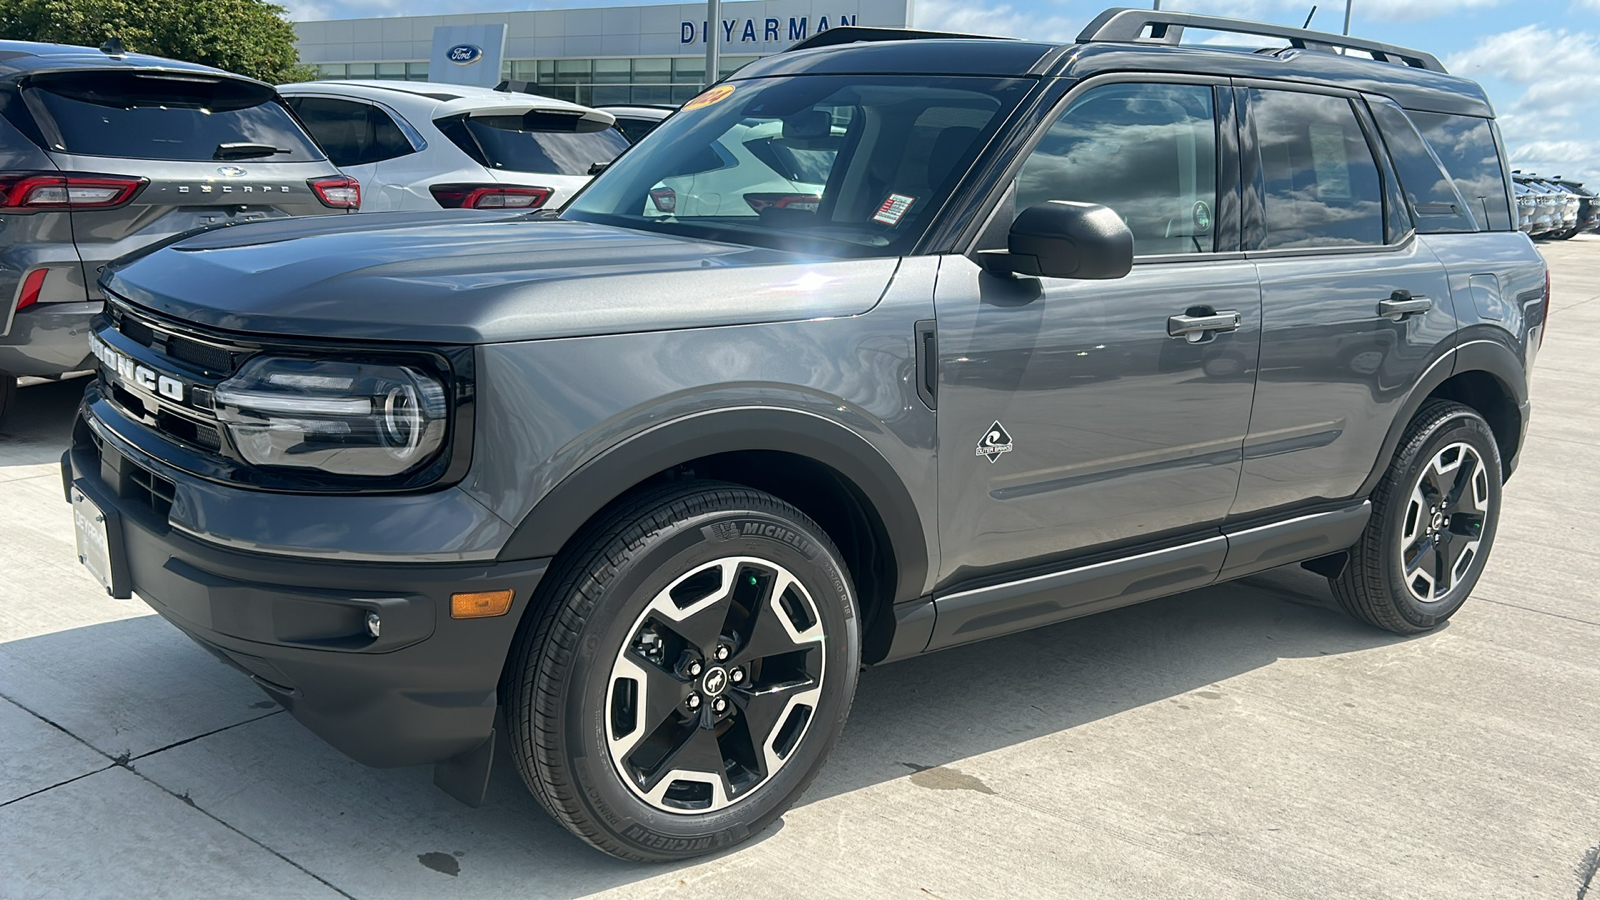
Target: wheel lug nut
(694,701)
(723,652)
(720,705)
(737,676)
(694,670)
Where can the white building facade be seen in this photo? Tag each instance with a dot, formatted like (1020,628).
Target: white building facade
(598,56)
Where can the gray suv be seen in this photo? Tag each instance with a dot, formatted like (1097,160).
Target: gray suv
(105,152)
(635,492)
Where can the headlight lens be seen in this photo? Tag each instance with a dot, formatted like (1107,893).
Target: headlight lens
(345,418)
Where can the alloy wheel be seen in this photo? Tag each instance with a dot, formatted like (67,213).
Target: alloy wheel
(1443,522)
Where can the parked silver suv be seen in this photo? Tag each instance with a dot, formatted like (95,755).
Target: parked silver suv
(103,153)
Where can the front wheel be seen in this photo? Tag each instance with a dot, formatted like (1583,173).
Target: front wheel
(1433,524)
(692,666)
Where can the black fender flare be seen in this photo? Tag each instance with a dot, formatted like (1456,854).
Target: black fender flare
(1479,355)
(560,513)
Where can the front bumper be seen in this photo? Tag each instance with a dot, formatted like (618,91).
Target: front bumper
(48,339)
(424,691)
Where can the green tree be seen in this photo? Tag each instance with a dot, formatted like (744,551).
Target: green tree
(250,37)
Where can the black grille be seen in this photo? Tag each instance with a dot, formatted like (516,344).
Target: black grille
(205,356)
(136,330)
(146,487)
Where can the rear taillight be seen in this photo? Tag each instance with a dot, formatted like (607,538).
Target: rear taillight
(804,202)
(665,199)
(337,191)
(489,196)
(31,286)
(42,191)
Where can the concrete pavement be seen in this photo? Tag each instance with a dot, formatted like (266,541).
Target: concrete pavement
(1246,740)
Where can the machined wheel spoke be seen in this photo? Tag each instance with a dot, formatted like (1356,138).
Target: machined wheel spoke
(659,695)
(697,754)
(1453,549)
(764,709)
(1462,482)
(780,625)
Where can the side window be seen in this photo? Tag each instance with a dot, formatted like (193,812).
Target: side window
(352,133)
(1147,151)
(1428,190)
(1319,183)
(1466,146)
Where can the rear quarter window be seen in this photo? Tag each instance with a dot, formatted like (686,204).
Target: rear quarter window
(143,115)
(516,144)
(1466,146)
(1430,193)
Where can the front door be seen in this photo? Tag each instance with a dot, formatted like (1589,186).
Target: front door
(1076,416)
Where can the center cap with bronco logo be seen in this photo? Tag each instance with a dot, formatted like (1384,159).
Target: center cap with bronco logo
(715,681)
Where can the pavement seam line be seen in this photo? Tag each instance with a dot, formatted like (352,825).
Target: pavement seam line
(109,765)
(188,801)
(1540,612)
(149,753)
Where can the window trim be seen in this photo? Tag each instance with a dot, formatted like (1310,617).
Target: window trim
(1254,212)
(992,203)
(418,142)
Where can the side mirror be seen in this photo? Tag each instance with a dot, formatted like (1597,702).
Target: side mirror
(1062,239)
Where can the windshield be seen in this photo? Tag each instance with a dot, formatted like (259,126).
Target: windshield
(516,144)
(164,116)
(855,165)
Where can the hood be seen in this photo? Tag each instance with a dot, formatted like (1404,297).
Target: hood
(464,277)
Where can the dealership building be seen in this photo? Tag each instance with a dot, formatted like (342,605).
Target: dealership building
(603,55)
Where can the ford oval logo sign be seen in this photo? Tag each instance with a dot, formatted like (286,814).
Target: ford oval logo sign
(464,54)
(230,171)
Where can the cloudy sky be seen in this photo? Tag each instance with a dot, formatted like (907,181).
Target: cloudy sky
(1538,59)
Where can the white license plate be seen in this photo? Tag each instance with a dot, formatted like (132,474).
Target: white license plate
(94,547)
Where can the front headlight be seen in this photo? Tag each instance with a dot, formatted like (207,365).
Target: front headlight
(345,418)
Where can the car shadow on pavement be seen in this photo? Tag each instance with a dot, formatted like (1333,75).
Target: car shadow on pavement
(139,691)
(39,425)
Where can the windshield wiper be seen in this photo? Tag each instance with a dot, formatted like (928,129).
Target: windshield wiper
(597,168)
(245,150)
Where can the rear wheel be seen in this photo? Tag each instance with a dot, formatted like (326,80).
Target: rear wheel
(692,667)
(8,393)
(1433,524)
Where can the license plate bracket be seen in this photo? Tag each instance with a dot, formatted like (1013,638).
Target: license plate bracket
(99,537)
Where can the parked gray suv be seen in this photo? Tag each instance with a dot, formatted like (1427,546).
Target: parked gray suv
(636,493)
(105,152)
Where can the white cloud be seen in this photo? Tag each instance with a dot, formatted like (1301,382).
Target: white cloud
(1330,13)
(1002,20)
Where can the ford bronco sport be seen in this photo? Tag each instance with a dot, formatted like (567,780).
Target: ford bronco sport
(637,491)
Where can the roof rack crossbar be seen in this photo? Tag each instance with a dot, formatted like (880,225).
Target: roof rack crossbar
(1163,26)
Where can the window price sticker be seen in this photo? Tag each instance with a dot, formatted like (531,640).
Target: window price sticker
(894,209)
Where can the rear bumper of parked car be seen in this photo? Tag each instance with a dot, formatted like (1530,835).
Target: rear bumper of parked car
(424,690)
(48,339)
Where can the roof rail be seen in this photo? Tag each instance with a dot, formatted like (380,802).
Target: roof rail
(850,34)
(1127,25)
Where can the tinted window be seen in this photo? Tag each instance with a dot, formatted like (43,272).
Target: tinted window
(154,116)
(1319,183)
(853,165)
(1466,146)
(352,133)
(1147,151)
(635,129)
(507,142)
(1428,190)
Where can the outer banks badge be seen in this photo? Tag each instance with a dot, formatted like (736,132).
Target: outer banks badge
(995,442)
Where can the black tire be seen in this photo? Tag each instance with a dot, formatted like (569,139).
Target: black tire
(1393,578)
(601,606)
(8,393)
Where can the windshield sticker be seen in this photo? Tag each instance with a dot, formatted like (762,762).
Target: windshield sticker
(894,209)
(715,95)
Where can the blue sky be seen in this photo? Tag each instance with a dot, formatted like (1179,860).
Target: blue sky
(1538,59)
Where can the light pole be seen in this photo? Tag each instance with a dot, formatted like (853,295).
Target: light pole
(713,35)
(1347,17)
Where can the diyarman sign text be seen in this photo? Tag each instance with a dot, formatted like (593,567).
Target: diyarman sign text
(756,31)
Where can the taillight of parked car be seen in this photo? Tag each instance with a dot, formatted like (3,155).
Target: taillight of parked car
(665,199)
(337,191)
(803,202)
(489,196)
(31,287)
(40,191)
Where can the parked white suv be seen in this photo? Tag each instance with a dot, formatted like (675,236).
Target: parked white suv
(417,145)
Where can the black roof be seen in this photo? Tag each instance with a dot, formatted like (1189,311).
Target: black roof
(19,59)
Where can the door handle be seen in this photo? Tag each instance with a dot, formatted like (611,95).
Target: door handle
(1403,303)
(1195,328)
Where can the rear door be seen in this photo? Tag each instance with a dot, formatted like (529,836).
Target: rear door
(202,150)
(1354,308)
(364,140)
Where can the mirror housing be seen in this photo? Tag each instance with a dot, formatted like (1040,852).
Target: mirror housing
(1063,239)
